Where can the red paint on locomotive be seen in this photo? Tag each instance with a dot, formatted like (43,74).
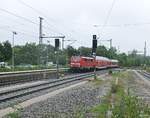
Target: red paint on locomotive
(81,62)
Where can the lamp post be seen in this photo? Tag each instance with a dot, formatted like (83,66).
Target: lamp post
(48,43)
(14,33)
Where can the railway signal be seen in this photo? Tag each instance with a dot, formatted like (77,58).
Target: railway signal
(94,46)
(56,52)
(56,44)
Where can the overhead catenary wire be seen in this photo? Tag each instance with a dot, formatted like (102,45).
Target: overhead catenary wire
(125,25)
(18,31)
(21,32)
(21,17)
(18,16)
(15,27)
(46,19)
(45,16)
(108,15)
(40,13)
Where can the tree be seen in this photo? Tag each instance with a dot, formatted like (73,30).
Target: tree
(7,51)
(112,53)
(84,51)
(71,51)
(133,53)
(1,53)
(122,59)
(102,51)
(27,54)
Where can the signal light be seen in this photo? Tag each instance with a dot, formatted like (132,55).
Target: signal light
(94,36)
(94,44)
(56,43)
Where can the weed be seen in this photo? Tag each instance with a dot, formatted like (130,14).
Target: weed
(13,115)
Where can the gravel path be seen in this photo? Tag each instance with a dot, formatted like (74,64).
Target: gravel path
(140,87)
(68,104)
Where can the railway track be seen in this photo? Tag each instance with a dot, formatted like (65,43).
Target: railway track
(7,78)
(145,74)
(20,92)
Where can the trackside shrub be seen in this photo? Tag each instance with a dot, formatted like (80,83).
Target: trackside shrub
(130,107)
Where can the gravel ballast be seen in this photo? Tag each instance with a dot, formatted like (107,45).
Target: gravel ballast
(69,103)
(140,87)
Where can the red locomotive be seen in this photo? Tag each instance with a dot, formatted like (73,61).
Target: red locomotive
(82,63)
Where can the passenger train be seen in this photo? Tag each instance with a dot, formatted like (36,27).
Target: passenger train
(89,63)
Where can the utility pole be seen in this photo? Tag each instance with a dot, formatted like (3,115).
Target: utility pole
(63,43)
(145,49)
(48,43)
(40,40)
(145,54)
(41,37)
(13,61)
(40,31)
(110,43)
(118,49)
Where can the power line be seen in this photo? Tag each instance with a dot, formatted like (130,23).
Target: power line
(15,27)
(38,12)
(35,10)
(24,33)
(18,16)
(41,13)
(125,25)
(108,14)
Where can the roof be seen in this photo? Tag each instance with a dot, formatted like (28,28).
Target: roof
(87,57)
(79,57)
(97,58)
(113,60)
(102,58)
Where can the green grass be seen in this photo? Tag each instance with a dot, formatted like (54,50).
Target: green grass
(125,105)
(101,109)
(13,115)
(97,81)
(120,74)
(16,113)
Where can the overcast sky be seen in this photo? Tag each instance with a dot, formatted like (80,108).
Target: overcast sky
(128,23)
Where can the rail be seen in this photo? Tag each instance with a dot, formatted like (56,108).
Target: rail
(40,87)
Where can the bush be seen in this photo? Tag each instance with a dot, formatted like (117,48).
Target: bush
(110,72)
(130,107)
(114,88)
